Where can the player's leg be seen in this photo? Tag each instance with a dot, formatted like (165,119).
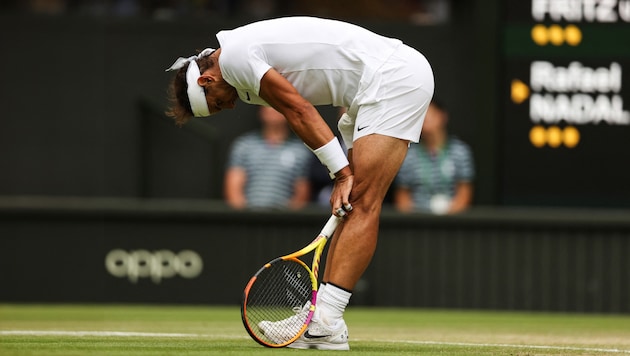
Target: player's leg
(376,160)
(379,138)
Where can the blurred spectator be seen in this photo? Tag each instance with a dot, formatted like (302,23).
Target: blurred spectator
(268,168)
(431,12)
(437,173)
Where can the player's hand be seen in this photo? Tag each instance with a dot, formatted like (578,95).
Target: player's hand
(340,196)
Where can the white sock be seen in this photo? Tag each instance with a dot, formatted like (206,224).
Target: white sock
(320,290)
(332,303)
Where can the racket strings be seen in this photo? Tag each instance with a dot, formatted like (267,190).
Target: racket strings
(278,302)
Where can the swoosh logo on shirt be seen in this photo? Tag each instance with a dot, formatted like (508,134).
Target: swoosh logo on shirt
(361,128)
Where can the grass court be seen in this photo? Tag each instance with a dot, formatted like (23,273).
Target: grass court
(130,330)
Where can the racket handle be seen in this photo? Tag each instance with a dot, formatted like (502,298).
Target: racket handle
(330,226)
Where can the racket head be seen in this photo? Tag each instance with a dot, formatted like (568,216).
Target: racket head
(279,301)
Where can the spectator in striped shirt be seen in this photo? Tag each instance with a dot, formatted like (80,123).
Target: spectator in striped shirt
(268,168)
(437,174)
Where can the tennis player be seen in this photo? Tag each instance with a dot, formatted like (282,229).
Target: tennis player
(294,64)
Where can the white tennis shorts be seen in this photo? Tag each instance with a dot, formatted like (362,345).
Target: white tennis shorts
(392,101)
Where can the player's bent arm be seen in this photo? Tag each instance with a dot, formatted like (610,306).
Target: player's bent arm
(308,124)
(304,120)
(302,116)
(234,187)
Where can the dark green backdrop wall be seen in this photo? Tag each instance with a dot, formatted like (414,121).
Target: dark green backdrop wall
(82,100)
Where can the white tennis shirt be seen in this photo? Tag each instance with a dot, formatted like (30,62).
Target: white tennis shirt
(327,61)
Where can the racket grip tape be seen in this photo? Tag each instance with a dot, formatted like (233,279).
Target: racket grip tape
(330,226)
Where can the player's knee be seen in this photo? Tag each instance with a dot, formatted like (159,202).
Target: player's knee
(366,203)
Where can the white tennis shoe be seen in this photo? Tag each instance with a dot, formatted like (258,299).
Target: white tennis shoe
(323,337)
(281,331)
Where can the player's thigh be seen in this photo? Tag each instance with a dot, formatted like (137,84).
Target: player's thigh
(376,160)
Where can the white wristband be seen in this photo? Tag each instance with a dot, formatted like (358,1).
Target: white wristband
(332,156)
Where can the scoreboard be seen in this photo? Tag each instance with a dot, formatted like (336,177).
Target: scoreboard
(565,117)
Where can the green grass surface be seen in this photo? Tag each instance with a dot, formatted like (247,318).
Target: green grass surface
(176,330)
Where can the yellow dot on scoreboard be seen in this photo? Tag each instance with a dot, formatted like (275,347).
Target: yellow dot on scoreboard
(571,136)
(519,91)
(540,35)
(573,35)
(554,136)
(537,136)
(556,35)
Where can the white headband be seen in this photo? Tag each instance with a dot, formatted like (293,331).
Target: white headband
(196,94)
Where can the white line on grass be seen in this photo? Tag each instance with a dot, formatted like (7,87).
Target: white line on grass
(176,335)
(520,346)
(97,333)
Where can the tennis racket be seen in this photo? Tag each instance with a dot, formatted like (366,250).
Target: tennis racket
(279,300)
